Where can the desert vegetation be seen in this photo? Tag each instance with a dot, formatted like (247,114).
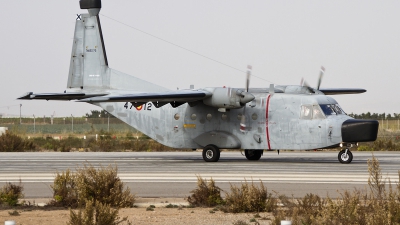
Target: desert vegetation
(11,193)
(380,204)
(104,142)
(97,194)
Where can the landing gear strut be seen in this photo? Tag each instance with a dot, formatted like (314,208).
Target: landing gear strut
(345,156)
(211,153)
(253,154)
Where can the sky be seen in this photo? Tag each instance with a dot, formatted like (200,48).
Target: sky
(212,44)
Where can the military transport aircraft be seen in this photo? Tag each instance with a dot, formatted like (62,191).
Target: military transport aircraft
(295,117)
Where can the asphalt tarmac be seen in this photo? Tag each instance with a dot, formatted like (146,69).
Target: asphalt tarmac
(173,174)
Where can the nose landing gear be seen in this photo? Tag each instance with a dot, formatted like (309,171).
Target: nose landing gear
(345,156)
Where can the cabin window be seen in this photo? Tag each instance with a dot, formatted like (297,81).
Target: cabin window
(306,112)
(193,116)
(209,116)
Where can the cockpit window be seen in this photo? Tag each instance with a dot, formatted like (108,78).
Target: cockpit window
(317,113)
(309,112)
(332,109)
(339,110)
(306,112)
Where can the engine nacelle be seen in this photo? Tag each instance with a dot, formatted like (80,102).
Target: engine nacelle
(228,98)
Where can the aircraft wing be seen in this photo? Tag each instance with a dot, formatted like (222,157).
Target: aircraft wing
(341,91)
(170,96)
(175,98)
(58,96)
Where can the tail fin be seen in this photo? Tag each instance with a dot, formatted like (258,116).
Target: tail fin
(89,66)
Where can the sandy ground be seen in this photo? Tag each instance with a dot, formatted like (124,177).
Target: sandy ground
(160,215)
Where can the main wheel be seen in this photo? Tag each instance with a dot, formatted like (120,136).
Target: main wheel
(211,153)
(253,154)
(345,158)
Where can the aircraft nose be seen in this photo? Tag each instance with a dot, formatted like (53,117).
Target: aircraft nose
(354,130)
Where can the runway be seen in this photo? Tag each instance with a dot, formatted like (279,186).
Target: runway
(173,174)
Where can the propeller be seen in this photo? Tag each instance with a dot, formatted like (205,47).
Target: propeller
(304,83)
(246,95)
(321,74)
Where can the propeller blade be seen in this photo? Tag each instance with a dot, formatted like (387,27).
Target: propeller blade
(248,77)
(246,97)
(321,74)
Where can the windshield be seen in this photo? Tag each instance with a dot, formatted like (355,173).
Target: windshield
(332,109)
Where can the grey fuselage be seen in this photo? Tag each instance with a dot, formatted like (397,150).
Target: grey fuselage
(273,121)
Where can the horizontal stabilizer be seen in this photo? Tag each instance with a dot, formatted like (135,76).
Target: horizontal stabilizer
(58,96)
(342,91)
(171,96)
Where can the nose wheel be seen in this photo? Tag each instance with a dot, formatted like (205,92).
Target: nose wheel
(345,156)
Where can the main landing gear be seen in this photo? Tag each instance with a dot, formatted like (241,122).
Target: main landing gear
(253,154)
(211,153)
(345,156)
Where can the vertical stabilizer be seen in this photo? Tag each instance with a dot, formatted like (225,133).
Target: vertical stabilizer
(88,68)
(89,65)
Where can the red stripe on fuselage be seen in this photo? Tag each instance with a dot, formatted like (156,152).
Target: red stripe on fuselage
(267,122)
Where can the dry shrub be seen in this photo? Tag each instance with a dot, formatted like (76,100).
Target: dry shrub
(249,198)
(11,193)
(91,184)
(379,206)
(64,190)
(10,142)
(96,214)
(206,194)
(375,182)
(102,185)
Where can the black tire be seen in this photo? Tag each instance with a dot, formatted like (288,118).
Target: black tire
(345,159)
(211,153)
(253,154)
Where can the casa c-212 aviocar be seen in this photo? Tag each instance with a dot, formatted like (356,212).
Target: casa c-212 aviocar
(295,117)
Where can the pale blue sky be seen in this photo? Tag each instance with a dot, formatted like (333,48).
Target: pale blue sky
(356,41)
